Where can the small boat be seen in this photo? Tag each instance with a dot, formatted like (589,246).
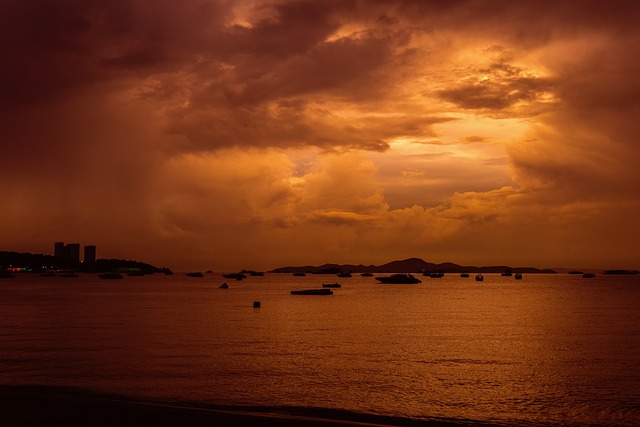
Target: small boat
(518,276)
(507,272)
(464,274)
(256,273)
(344,274)
(401,278)
(589,275)
(298,273)
(479,277)
(224,286)
(195,274)
(434,275)
(331,285)
(366,274)
(312,292)
(110,276)
(237,276)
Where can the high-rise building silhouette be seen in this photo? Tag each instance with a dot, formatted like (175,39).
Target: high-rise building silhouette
(89,254)
(73,250)
(70,253)
(60,251)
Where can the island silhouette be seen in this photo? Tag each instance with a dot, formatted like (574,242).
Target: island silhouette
(409,265)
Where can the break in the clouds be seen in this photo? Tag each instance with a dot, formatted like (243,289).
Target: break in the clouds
(220,134)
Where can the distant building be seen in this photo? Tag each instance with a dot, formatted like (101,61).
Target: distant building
(70,253)
(60,251)
(73,252)
(89,254)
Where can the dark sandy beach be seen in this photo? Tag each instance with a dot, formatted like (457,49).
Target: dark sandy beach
(55,406)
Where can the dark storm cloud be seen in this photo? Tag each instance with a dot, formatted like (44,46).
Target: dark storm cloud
(53,47)
(500,86)
(201,67)
(327,67)
(292,28)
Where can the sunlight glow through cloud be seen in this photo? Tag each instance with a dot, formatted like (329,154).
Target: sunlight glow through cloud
(323,131)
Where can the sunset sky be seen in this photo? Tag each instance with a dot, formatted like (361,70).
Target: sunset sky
(223,135)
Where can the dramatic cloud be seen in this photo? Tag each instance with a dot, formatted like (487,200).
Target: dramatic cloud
(219,134)
(500,87)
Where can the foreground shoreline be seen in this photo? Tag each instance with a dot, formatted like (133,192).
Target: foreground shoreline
(36,405)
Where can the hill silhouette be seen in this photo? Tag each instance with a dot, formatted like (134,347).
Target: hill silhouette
(409,265)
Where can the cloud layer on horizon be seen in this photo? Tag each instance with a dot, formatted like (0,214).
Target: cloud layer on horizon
(215,133)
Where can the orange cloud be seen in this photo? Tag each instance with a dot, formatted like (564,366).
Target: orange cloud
(368,130)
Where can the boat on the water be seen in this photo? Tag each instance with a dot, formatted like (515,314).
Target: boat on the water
(195,274)
(110,276)
(331,285)
(434,275)
(464,274)
(518,276)
(256,273)
(366,274)
(224,286)
(237,276)
(298,273)
(479,277)
(320,291)
(589,275)
(344,274)
(401,278)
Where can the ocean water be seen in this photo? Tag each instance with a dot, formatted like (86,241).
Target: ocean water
(544,350)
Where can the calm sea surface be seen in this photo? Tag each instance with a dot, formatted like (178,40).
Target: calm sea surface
(548,349)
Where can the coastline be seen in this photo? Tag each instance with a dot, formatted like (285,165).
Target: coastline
(37,405)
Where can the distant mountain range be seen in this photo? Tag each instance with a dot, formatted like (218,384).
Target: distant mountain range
(411,265)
